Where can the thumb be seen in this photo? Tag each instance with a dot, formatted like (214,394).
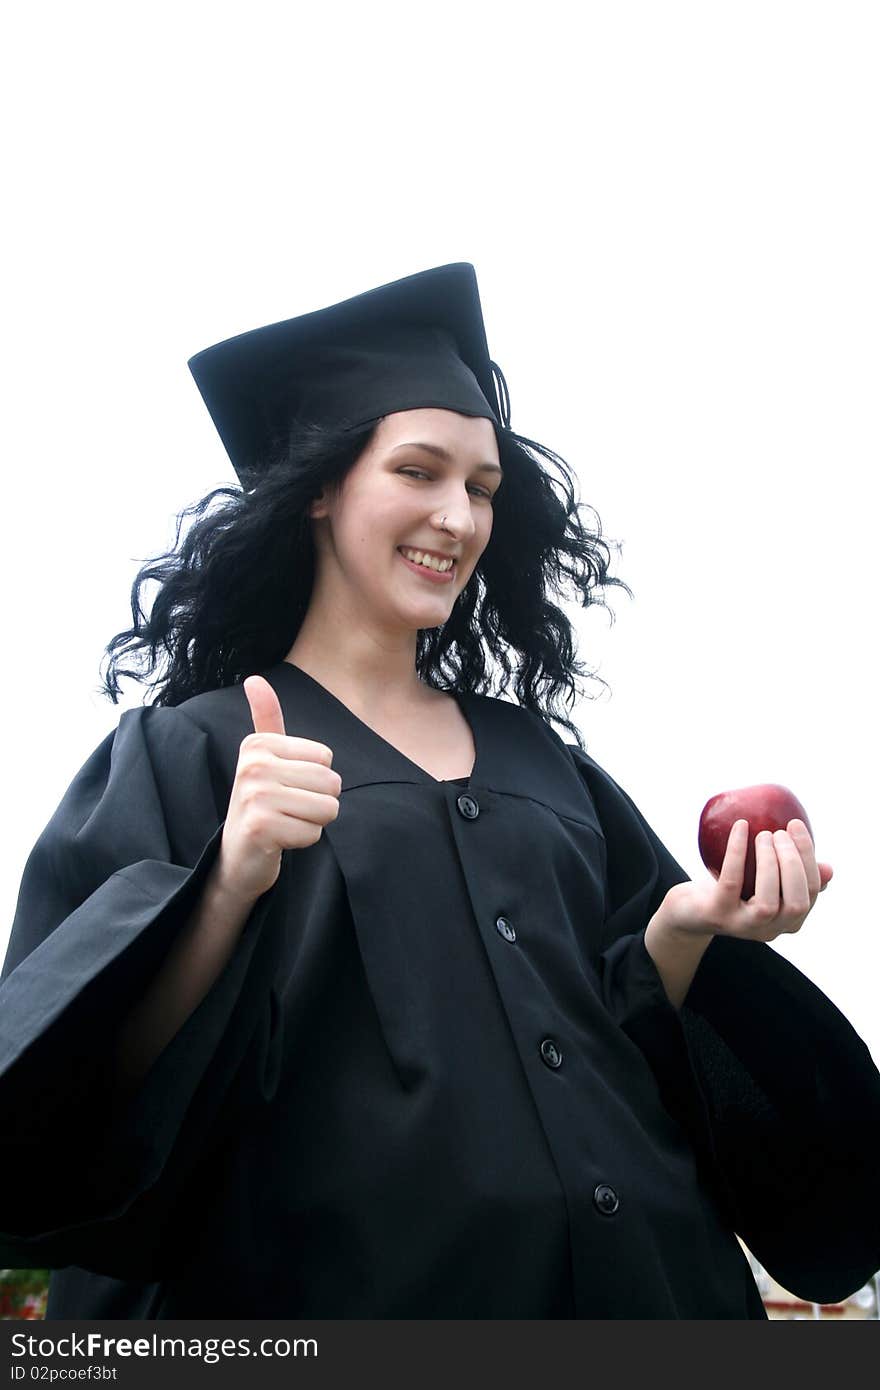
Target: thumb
(265,707)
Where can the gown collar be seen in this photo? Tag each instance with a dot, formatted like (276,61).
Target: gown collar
(517,753)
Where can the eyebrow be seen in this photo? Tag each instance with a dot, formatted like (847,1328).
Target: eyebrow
(444,454)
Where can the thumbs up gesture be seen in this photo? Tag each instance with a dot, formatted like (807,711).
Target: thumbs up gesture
(284,793)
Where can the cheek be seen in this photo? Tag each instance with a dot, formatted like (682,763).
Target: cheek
(477,548)
(367,523)
(371,540)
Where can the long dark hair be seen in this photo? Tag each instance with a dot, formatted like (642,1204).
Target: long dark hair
(235,587)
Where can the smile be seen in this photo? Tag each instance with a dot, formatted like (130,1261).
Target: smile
(428,566)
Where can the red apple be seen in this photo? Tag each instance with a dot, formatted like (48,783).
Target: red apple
(766,807)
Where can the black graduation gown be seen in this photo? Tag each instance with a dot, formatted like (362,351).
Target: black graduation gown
(439,1075)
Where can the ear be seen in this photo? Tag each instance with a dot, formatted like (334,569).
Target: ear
(318,506)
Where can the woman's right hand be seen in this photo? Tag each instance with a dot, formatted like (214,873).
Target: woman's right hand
(284,793)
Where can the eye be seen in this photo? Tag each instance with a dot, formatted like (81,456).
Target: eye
(418,473)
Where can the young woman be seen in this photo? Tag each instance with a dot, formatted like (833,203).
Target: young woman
(340,986)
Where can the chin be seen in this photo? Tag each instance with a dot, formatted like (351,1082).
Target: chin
(424,615)
(428,618)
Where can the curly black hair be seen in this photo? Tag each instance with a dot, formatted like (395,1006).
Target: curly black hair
(250,551)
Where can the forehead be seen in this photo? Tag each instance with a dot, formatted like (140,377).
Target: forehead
(469,437)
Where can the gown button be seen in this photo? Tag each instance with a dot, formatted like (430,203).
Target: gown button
(550,1053)
(468,807)
(506,929)
(606,1199)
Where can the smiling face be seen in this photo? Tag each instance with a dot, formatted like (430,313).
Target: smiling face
(393,500)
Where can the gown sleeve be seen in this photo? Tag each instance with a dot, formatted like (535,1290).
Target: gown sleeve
(88,1176)
(778,1094)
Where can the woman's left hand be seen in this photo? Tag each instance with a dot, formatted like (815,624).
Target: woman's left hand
(788,880)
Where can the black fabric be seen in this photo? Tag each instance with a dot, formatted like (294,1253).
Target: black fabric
(414,343)
(390,1104)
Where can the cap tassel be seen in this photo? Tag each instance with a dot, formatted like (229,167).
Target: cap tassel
(502,394)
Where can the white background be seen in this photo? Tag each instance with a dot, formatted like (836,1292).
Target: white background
(673,214)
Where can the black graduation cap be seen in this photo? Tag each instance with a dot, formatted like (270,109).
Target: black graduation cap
(413,343)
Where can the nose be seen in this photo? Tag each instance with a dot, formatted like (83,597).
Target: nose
(458,513)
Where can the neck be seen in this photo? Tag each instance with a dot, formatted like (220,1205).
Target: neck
(371,670)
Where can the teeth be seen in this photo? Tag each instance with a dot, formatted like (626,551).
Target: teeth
(429,561)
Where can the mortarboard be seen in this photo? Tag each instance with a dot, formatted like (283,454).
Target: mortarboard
(416,342)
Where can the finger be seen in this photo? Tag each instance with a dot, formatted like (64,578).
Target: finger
(766,894)
(794,888)
(264,705)
(803,840)
(305,750)
(826,873)
(312,774)
(733,865)
(299,804)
